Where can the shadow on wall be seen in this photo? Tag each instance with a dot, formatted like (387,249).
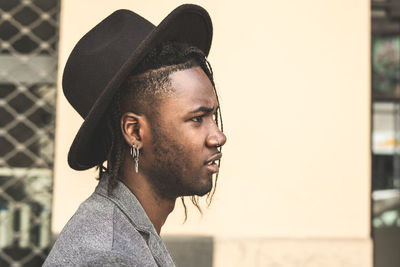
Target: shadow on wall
(194,251)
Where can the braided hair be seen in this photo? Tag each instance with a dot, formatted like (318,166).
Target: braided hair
(141,91)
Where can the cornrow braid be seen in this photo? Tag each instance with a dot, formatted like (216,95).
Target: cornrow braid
(115,144)
(119,147)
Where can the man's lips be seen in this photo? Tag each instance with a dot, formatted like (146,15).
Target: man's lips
(214,158)
(211,162)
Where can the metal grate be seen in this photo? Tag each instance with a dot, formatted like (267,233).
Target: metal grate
(28,71)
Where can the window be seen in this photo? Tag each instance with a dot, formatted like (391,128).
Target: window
(386,132)
(28,72)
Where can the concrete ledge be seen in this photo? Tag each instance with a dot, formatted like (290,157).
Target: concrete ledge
(293,252)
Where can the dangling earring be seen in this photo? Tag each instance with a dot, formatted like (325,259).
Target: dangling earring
(135,155)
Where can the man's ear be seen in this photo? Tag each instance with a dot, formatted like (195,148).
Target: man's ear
(132,128)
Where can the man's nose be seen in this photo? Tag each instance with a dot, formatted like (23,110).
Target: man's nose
(217,139)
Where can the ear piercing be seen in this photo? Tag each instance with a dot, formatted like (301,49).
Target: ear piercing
(134,151)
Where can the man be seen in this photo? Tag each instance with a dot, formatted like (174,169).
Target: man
(151,112)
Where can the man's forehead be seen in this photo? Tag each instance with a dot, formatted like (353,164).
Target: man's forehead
(194,87)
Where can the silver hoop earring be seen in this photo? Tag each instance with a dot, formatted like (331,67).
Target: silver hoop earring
(134,151)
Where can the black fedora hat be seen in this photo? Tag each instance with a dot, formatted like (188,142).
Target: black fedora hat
(105,56)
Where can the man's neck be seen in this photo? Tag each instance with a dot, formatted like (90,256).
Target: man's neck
(156,208)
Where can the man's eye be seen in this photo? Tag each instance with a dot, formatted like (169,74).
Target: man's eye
(215,116)
(197,119)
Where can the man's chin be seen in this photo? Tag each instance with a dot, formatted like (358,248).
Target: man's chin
(204,190)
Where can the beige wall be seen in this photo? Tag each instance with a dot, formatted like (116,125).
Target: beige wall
(294,83)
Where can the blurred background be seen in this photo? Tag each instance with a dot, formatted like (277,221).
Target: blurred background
(310,95)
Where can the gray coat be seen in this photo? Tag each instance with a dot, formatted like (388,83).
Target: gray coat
(109,231)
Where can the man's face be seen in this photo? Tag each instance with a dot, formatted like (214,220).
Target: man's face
(183,153)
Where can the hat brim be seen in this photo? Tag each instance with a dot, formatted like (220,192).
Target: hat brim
(188,23)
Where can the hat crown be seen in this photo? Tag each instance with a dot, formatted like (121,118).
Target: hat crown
(99,55)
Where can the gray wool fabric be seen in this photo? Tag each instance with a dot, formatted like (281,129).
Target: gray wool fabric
(109,231)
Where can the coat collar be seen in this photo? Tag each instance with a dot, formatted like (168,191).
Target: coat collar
(128,203)
(131,207)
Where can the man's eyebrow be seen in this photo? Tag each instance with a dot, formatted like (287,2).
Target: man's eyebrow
(206,110)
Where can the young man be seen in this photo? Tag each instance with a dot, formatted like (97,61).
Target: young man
(151,112)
